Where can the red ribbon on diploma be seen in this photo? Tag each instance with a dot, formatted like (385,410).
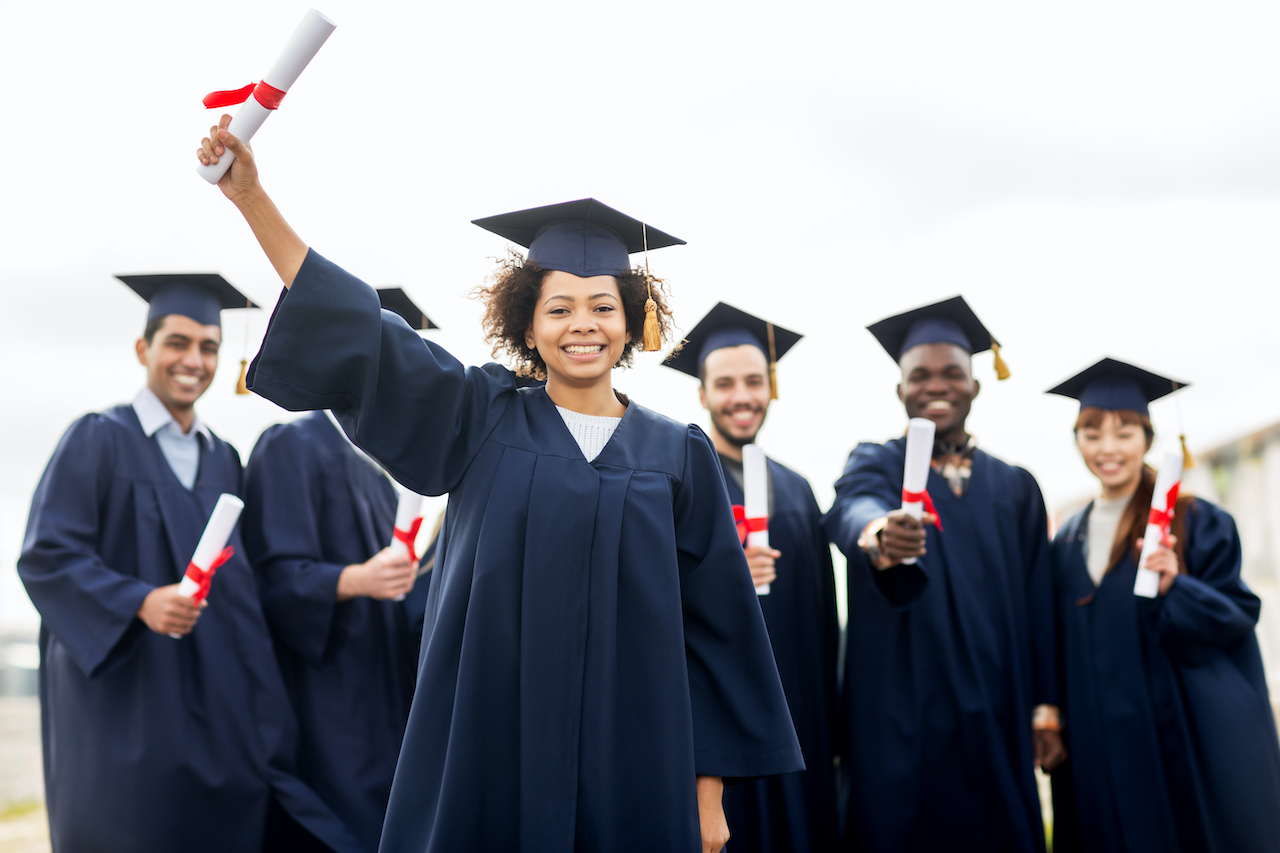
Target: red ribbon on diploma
(263,92)
(747,526)
(922,497)
(409,537)
(204,577)
(1164,520)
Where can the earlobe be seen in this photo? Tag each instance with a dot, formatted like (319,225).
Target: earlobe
(901,399)
(977,386)
(702,397)
(528,337)
(141,348)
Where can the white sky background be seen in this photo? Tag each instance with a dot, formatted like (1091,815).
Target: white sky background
(1098,179)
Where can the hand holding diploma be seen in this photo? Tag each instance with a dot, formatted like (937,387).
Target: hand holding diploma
(390,573)
(1158,565)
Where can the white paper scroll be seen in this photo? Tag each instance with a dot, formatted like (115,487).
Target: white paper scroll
(303,45)
(408,511)
(1147,582)
(915,472)
(755,489)
(226,512)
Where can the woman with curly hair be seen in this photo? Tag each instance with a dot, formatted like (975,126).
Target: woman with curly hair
(1168,725)
(594,662)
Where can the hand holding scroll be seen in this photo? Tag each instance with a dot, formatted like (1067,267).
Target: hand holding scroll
(1164,562)
(903,535)
(388,574)
(239,181)
(169,612)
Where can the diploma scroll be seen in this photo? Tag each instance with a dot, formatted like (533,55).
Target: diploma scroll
(1163,499)
(211,551)
(915,471)
(408,521)
(755,489)
(302,47)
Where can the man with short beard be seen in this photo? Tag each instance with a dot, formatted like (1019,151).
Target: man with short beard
(729,351)
(165,722)
(949,658)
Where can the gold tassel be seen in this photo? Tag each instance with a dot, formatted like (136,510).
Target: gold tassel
(241,386)
(773,364)
(652,332)
(1188,461)
(1002,369)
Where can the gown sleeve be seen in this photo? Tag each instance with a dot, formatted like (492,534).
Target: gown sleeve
(88,606)
(407,402)
(1037,560)
(281,532)
(1208,607)
(742,728)
(864,493)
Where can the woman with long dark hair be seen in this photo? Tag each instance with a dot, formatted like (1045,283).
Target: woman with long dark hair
(1166,714)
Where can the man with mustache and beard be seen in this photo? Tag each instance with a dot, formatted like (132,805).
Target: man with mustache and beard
(951,657)
(733,354)
(165,722)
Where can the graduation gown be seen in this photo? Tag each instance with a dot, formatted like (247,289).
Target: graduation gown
(312,507)
(946,660)
(592,639)
(796,812)
(152,743)
(1169,726)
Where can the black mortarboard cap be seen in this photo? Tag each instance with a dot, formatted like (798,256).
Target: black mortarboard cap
(950,321)
(726,326)
(200,296)
(582,237)
(1112,384)
(395,300)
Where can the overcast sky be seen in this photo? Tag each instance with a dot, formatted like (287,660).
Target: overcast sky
(1095,178)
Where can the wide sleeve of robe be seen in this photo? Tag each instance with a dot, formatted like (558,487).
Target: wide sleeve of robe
(1208,608)
(386,397)
(297,587)
(742,728)
(871,487)
(89,606)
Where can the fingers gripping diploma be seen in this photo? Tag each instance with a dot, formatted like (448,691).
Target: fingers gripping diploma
(242,178)
(761,559)
(386,575)
(167,611)
(1164,562)
(903,536)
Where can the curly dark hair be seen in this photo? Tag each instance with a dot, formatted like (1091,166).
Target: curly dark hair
(512,295)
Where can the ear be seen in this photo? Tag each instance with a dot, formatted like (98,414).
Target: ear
(528,337)
(702,396)
(141,348)
(977,386)
(901,399)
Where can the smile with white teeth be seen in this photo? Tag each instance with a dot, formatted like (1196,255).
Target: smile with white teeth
(938,406)
(183,379)
(583,349)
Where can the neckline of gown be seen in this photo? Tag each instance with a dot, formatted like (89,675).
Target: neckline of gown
(566,437)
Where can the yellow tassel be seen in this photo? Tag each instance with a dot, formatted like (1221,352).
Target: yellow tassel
(1002,369)
(773,364)
(241,386)
(652,334)
(1188,461)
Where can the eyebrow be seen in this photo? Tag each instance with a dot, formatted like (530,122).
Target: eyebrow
(589,298)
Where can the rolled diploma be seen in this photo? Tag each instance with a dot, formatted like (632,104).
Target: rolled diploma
(303,45)
(755,489)
(407,512)
(226,512)
(1147,582)
(915,471)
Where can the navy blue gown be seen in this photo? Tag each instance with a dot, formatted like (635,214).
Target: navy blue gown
(796,812)
(152,743)
(312,507)
(1169,726)
(592,639)
(946,660)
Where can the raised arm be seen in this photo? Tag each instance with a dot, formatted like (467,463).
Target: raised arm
(240,184)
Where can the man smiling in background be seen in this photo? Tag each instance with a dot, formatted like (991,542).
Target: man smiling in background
(949,657)
(165,724)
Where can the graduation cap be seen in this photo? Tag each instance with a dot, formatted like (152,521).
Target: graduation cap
(582,237)
(395,300)
(585,238)
(200,296)
(1112,384)
(950,321)
(726,326)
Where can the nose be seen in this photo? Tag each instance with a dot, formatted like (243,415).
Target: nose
(192,359)
(584,321)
